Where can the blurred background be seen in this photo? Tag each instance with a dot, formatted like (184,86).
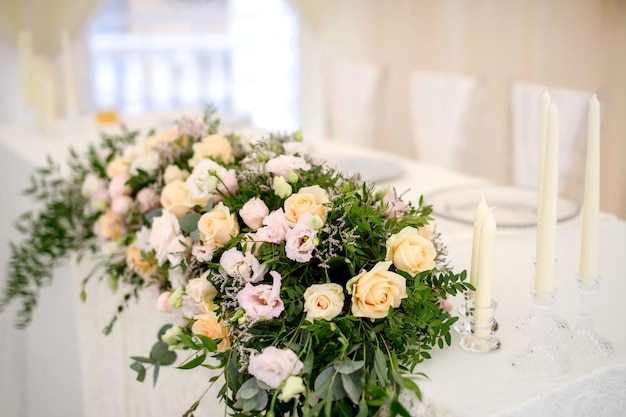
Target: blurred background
(450,82)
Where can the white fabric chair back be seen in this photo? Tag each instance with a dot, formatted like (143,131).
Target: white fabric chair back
(525,123)
(352,96)
(440,106)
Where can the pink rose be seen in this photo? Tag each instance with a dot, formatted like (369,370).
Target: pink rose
(202,253)
(118,186)
(238,265)
(188,309)
(273,365)
(146,200)
(282,165)
(262,301)
(253,212)
(162,304)
(121,205)
(227,185)
(300,242)
(275,227)
(100,193)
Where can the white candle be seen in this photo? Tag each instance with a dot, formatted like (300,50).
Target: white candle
(546,222)
(68,72)
(479,214)
(591,201)
(544,111)
(25,51)
(484,283)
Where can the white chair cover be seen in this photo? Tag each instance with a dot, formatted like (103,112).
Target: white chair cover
(525,124)
(352,97)
(440,106)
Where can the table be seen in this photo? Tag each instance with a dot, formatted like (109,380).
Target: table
(461,384)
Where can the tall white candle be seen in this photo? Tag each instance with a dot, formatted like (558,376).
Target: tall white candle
(546,222)
(68,72)
(591,201)
(484,283)
(544,111)
(479,214)
(25,51)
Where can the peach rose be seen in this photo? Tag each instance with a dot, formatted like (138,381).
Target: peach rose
(110,226)
(119,165)
(173,173)
(157,141)
(253,212)
(175,197)
(410,251)
(307,200)
(201,290)
(375,291)
(135,260)
(212,146)
(207,325)
(218,226)
(323,301)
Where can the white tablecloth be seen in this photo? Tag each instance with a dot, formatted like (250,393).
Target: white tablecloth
(63,356)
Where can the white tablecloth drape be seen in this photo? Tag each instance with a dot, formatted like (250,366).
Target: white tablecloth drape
(63,365)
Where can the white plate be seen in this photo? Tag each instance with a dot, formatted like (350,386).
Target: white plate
(372,169)
(514,207)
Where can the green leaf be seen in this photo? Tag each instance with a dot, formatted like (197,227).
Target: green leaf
(164,329)
(380,366)
(153,213)
(348,366)
(208,343)
(193,363)
(189,222)
(188,341)
(161,354)
(155,375)
(141,370)
(249,389)
(352,386)
(141,359)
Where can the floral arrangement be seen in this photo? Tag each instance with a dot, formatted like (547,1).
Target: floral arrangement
(316,293)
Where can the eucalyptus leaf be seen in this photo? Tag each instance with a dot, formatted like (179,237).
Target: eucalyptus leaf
(249,389)
(153,213)
(189,222)
(352,386)
(348,366)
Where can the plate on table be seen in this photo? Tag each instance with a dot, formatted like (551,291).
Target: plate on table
(372,169)
(513,207)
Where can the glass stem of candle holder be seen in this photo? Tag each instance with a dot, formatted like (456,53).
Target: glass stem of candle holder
(482,335)
(585,342)
(545,355)
(463,324)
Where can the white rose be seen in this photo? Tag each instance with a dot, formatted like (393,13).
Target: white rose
(164,229)
(147,163)
(323,301)
(205,178)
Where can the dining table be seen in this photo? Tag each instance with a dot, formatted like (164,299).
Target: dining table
(63,365)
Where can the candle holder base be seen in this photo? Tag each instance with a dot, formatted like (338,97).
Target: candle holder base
(545,355)
(463,325)
(481,329)
(585,342)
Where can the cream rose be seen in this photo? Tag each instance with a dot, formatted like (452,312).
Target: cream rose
(207,325)
(218,226)
(212,146)
(323,301)
(175,197)
(410,251)
(375,291)
(201,290)
(173,173)
(165,228)
(151,144)
(307,200)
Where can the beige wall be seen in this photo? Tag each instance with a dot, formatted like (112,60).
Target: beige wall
(578,44)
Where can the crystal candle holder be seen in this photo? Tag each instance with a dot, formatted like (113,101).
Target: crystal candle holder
(585,342)
(546,354)
(463,324)
(481,337)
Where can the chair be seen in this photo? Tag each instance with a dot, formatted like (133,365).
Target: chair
(441,110)
(352,97)
(525,125)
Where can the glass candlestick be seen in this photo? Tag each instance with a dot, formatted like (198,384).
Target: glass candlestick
(463,324)
(546,354)
(585,342)
(481,337)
